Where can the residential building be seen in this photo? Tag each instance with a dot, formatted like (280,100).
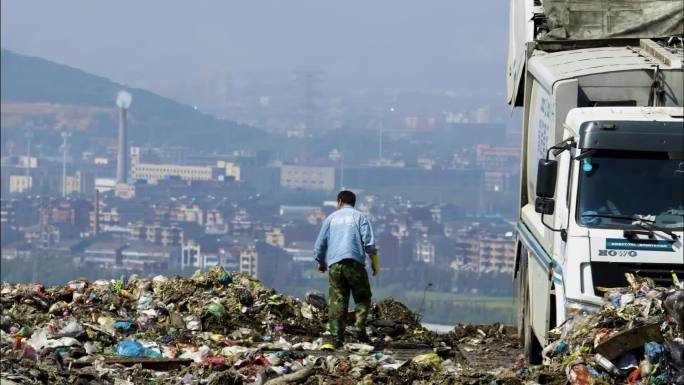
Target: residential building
(190,254)
(249,261)
(214,223)
(275,237)
(108,217)
(156,232)
(19,184)
(425,250)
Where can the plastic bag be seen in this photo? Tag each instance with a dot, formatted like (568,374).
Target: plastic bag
(672,361)
(132,348)
(38,340)
(72,329)
(674,304)
(124,326)
(216,310)
(145,301)
(197,356)
(193,323)
(653,350)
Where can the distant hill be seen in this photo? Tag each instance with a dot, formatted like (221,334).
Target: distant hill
(27,79)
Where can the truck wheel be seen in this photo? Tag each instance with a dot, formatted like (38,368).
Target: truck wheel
(532,348)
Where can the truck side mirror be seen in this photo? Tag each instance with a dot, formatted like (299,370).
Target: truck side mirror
(546,186)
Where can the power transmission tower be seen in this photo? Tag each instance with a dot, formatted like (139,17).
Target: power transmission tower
(65,138)
(307,79)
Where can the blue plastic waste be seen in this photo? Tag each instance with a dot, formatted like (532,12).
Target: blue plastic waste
(124,325)
(132,348)
(562,348)
(653,350)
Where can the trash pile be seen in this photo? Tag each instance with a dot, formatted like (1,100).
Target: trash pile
(213,328)
(636,338)
(227,328)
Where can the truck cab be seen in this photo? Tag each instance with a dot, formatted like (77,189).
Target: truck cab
(602,166)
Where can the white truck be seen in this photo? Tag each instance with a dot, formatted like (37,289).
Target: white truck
(602,168)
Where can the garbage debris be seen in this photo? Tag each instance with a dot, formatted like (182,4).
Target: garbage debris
(219,327)
(634,338)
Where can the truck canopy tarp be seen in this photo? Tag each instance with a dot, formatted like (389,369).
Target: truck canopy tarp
(592,19)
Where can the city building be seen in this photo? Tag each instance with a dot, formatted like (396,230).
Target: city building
(156,232)
(149,257)
(425,250)
(103,254)
(107,217)
(500,181)
(497,158)
(249,261)
(80,183)
(494,253)
(307,177)
(190,254)
(230,169)
(19,184)
(155,172)
(214,222)
(276,237)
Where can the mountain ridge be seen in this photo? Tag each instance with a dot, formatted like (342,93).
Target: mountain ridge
(30,79)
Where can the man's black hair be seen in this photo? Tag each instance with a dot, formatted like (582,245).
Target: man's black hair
(347,197)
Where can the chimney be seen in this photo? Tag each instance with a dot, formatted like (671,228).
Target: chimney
(122,158)
(123,101)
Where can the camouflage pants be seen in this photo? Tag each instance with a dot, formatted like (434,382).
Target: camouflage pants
(348,276)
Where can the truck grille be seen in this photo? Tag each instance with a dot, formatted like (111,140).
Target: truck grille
(606,274)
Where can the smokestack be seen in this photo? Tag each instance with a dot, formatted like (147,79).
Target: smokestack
(123,101)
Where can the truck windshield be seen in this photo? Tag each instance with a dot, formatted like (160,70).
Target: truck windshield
(617,185)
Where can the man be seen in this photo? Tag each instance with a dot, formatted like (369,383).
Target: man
(345,237)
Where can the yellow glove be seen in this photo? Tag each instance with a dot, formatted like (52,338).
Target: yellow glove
(375,264)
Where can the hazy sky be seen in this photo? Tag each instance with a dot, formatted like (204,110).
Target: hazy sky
(421,44)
